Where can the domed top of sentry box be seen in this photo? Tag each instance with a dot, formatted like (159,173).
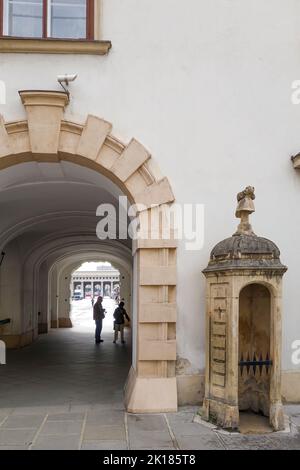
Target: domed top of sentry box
(245,250)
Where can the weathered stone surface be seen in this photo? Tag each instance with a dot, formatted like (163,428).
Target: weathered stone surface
(65,417)
(147,423)
(207,441)
(245,251)
(56,443)
(150,439)
(67,427)
(244,278)
(16,436)
(25,421)
(96,431)
(104,445)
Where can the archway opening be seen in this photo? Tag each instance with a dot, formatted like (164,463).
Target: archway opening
(48,230)
(254,358)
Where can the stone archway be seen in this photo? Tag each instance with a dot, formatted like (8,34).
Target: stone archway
(46,137)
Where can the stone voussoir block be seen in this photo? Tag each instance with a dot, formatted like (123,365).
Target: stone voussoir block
(155,194)
(5,148)
(131,159)
(93,137)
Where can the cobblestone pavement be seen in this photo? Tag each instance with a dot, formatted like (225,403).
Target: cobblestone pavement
(63,392)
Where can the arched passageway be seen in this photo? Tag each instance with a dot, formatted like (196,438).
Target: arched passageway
(63,368)
(54,174)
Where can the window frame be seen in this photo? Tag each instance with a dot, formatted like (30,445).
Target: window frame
(90,18)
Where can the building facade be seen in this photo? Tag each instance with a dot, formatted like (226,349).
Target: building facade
(209,92)
(104,281)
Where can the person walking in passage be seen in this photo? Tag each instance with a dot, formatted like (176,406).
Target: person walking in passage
(99,314)
(119,322)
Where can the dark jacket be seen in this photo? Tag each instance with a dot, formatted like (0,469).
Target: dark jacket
(98,311)
(119,315)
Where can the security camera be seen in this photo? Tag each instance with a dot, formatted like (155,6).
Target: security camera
(66,78)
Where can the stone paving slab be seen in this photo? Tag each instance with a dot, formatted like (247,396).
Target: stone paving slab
(23,421)
(295,419)
(149,439)
(61,428)
(286,443)
(292,410)
(189,429)
(66,416)
(237,442)
(209,441)
(5,412)
(16,437)
(41,410)
(147,422)
(13,448)
(105,417)
(180,417)
(56,443)
(107,433)
(153,449)
(104,445)
(93,407)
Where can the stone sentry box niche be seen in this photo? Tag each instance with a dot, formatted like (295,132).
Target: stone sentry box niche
(243,327)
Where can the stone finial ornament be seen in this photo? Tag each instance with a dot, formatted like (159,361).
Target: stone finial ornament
(244,208)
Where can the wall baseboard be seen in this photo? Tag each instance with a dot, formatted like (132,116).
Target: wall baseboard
(64,323)
(19,341)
